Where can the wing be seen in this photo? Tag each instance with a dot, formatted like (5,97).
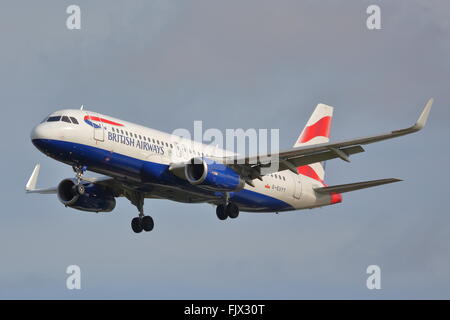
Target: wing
(250,167)
(121,188)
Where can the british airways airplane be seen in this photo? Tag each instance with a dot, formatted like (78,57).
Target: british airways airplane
(138,163)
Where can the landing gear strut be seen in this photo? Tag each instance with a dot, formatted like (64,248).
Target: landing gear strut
(79,171)
(142,222)
(229,210)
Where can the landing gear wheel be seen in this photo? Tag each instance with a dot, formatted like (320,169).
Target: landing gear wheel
(147,223)
(80,189)
(232,210)
(136,225)
(221,212)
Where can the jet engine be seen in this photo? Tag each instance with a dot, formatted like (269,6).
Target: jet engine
(211,175)
(85,196)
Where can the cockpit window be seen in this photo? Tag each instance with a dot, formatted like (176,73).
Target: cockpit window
(54,119)
(61,118)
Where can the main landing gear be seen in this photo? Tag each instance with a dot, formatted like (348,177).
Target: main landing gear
(142,222)
(229,210)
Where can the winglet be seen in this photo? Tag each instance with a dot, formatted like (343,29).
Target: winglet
(31,184)
(423,116)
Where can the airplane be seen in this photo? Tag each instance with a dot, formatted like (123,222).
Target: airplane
(138,163)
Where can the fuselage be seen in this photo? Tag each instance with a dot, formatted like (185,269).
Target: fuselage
(142,156)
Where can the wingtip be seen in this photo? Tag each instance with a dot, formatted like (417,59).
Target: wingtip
(32,181)
(424,115)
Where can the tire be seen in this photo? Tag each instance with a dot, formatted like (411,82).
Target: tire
(147,223)
(221,212)
(80,189)
(136,225)
(232,210)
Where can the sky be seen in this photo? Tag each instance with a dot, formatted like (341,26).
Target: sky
(232,64)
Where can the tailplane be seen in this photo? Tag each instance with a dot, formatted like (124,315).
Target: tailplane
(341,188)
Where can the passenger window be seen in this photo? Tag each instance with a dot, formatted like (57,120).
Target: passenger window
(171,146)
(74,121)
(126,132)
(54,119)
(65,119)
(140,137)
(121,131)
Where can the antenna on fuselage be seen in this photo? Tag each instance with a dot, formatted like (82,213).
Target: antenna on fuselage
(82,106)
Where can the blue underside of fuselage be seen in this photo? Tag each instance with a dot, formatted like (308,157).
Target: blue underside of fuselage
(119,165)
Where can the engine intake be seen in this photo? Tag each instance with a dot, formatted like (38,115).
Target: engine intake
(211,175)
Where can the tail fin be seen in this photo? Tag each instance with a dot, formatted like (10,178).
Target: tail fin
(317,130)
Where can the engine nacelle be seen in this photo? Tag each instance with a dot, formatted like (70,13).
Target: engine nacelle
(211,175)
(86,197)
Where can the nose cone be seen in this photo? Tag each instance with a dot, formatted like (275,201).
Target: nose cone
(37,133)
(40,138)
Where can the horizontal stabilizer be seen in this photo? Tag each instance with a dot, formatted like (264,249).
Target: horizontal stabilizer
(355,186)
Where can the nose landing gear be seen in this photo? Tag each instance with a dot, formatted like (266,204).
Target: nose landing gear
(79,171)
(78,188)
